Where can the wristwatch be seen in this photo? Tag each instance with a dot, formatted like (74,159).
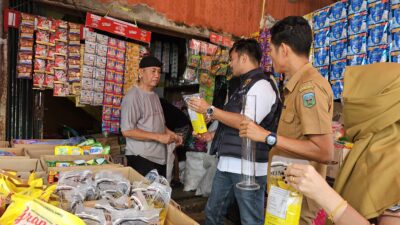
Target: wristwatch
(210,111)
(270,140)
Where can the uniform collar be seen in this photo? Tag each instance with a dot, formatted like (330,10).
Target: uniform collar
(292,81)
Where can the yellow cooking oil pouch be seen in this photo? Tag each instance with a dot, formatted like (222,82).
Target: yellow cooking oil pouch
(29,210)
(197,119)
(284,202)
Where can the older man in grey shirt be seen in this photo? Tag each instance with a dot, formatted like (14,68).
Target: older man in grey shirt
(143,123)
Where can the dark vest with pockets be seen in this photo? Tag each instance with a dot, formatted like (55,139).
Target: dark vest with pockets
(226,139)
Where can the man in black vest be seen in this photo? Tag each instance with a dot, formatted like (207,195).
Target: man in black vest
(245,57)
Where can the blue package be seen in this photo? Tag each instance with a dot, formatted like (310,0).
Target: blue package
(324,71)
(394,2)
(377,34)
(396,40)
(356,6)
(395,17)
(338,50)
(321,18)
(355,60)
(357,23)
(337,89)
(321,38)
(338,11)
(378,12)
(321,57)
(377,54)
(357,44)
(395,56)
(338,30)
(337,69)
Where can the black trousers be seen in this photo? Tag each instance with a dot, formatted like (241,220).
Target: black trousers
(143,166)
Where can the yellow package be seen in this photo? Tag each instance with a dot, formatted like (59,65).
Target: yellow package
(197,119)
(284,202)
(28,210)
(68,150)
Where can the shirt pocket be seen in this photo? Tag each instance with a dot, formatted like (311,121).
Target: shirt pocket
(288,117)
(287,125)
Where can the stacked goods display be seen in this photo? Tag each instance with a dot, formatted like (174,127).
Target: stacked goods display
(134,53)
(113,89)
(361,32)
(30,202)
(322,39)
(25,46)
(108,196)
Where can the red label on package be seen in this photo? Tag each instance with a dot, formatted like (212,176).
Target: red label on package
(117,27)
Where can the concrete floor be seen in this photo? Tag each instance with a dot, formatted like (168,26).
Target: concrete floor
(192,205)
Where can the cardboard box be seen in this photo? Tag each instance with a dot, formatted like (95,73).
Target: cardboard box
(70,158)
(37,153)
(4,144)
(18,152)
(23,167)
(174,215)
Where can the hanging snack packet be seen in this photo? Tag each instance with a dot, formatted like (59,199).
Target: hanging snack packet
(324,71)
(321,57)
(357,6)
(337,69)
(321,38)
(284,202)
(337,88)
(353,60)
(338,50)
(395,40)
(25,210)
(338,11)
(377,34)
(357,23)
(378,12)
(197,119)
(395,17)
(357,44)
(395,56)
(338,30)
(321,18)
(194,58)
(377,54)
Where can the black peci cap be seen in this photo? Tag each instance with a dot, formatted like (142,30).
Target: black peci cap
(149,61)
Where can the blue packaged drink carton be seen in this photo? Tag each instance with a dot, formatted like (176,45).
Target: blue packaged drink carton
(338,50)
(338,30)
(324,71)
(338,11)
(337,69)
(395,17)
(321,18)
(378,12)
(357,44)
(377,54)
(357,6)
(337,89)
(394,2)
(321,38)
(321,57)
(356,60)
(395,56)
(377,34)
(357,23)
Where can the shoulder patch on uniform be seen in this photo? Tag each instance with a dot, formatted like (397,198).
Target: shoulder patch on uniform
(309,99)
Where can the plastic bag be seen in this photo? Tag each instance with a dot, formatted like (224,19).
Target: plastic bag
(194,170)
(284,202)
(28,210)
(91,216)
(197,119)
(134,217)
(210,163)
(115,184)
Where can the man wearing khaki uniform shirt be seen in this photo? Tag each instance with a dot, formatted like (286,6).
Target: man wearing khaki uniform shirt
(304,129)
